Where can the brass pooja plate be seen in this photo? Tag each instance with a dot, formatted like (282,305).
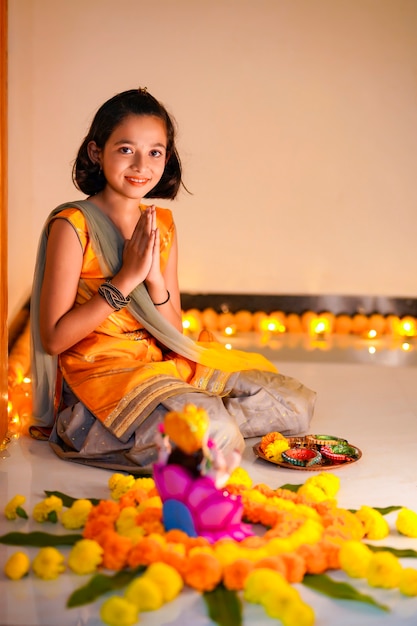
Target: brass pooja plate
(324,464)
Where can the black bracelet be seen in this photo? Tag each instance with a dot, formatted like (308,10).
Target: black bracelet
(113,296)
(164,302)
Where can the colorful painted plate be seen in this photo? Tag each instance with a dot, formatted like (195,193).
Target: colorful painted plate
(325,463)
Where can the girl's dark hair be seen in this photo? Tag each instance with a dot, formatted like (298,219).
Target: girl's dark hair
(88,177)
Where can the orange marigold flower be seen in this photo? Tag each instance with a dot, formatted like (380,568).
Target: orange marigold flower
(197,542)
(203,572)
(315,559)
(177,536)
(97,526)
(176,560)
(151,514)
(106,509)
(266,490)
(286,494)
(331,549)
(145,552)
(116,550)
(296,566)
(273,562)
(235,574)
(133,497)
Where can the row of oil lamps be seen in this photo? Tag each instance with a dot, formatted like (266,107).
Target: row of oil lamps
(309,322)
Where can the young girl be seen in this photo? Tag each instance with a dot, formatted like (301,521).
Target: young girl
(108,355)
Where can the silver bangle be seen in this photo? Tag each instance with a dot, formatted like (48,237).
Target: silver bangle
(113,296)
(164,302)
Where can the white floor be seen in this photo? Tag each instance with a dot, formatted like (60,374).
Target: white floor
(369,399)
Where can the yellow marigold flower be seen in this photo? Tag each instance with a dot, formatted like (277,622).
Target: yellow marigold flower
(76,516)
(278,545)
(117,611)
(384,570)
(48,563)
(240,476)
(126,519)
(287,606)
(145,594)
(227,552)
(17,566)
(354,558)
(298,614)
(47,509)
(281,503)
(166,578)
(85,556)
(375,526)
(408,582)
(307,511)
(406,522)
(312,492)
(119,484)
(204,550)
(253,495)
(146,483)
(274,449)
(187,428)
(151,503)
(11,508)
(327,482)
(310,532)
(261,581)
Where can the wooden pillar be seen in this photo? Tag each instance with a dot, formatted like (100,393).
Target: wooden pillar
(3,220)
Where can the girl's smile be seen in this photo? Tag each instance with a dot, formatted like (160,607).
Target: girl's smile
(134,157)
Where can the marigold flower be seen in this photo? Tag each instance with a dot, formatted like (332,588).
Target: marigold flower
(48,563)
(327,482)
(119,484)
(166,578)
(406,522)
(117,611)
(76,516)
(146,551)
(310,492)
(296,566)
(278,545)
(282,604)
(17,565)
(226,551)
(145,594)
(298,614)
(239,476)
(274,449)
(408,582)
(235,574)
(260,582)
(47,509)
(116,550)
(14,507)
(314,557)
(276,563)
(145,482)
(354,558)
(203,572)
(384,570)
(375,526)
(133,497)
(187,428)
(85,556)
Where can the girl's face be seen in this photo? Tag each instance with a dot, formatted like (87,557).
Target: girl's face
(134,156)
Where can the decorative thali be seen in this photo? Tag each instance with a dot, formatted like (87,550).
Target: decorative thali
(310,453)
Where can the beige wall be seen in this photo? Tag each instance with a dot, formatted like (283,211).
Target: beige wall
(297,128)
